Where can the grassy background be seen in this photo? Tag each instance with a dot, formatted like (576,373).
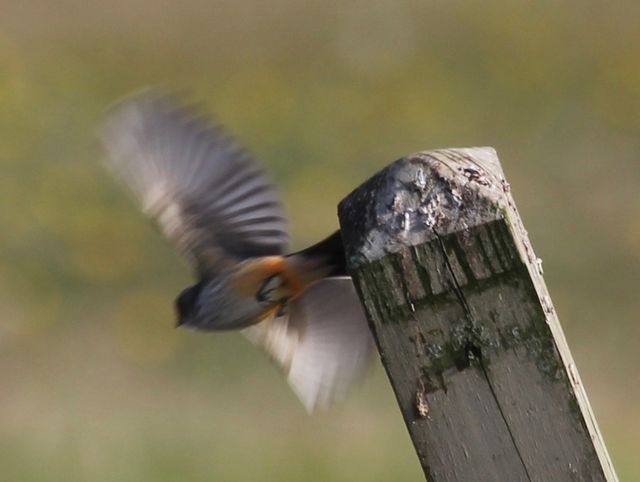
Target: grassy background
(96,383)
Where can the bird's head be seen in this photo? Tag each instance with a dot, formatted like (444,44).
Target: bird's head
(187,305)
(214,304)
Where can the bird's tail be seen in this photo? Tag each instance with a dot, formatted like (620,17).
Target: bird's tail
(324,259)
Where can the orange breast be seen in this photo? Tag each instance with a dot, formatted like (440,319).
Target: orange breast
(252,273)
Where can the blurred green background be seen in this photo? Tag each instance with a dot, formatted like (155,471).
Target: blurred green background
(97,385)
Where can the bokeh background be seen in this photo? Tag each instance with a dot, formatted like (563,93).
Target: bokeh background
(96,384)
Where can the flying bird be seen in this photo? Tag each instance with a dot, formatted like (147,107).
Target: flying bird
(210,197)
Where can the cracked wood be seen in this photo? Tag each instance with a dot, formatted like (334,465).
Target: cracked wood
(464,325)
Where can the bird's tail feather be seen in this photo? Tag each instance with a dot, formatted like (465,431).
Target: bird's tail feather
(325,258)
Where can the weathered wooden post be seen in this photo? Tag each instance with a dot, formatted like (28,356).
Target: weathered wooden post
(465,326)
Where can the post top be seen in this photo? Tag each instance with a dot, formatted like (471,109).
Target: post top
(420,196)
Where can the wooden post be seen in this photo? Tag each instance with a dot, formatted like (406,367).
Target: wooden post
(464,324)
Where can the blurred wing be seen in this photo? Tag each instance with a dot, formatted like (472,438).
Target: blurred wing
(323,345)
(206,193)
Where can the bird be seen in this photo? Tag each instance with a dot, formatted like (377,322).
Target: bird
(213,200)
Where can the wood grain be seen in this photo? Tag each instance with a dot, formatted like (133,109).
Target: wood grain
(465,326)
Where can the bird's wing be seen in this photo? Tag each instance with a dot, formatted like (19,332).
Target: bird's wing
(207,193)
(323,344)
